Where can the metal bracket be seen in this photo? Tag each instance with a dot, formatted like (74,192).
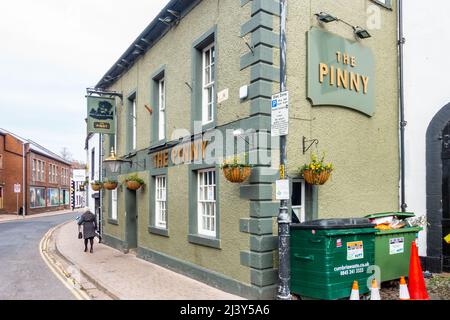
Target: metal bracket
(103,93)
(311,143)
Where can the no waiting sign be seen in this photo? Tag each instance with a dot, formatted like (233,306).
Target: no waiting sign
(16,188)
(280,114)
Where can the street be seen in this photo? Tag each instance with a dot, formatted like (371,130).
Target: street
(23,274)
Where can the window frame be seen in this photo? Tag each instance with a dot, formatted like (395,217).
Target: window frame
(206,86)
(1,161)
(203,204)
(133,124)
(114,205)
(159,200)
(302,206)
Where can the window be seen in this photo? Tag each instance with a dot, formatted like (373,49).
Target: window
(56,174)
(162,110)
(1,198)
(208,79)
(93,164)
(43,172)
(384,3)
(207,202)
(298,201)
(133,124)
(1,161)
(37,198)
(33,170)
(161,202)
(114,204)
(52,197)
(38,176)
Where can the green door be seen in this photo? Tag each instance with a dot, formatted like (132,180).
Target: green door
(131,219)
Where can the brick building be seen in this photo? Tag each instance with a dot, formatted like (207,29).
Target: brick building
(46,176)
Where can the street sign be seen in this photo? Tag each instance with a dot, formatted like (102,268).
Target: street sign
(280,114)
(16,188)
(282,190)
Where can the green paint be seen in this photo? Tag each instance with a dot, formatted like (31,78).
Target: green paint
(262,19)
(257,260)
(329,90)
(101,115)
(259,54)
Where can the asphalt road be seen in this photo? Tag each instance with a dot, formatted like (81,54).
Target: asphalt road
(23,273)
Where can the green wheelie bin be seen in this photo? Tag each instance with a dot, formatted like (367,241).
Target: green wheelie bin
(393,247)
(327,256)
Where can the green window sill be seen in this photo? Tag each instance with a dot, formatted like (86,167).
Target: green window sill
(158,231)
(204,241)
(114,222)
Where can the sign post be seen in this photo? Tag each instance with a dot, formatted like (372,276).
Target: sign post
(17,191)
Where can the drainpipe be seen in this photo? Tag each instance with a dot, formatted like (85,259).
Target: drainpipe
(403,122)
(24,186)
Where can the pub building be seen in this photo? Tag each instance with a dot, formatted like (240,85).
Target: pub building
(195,90)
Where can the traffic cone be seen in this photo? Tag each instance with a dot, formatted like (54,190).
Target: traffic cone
(355,291)
(417,288)
(404,293)
(375,291)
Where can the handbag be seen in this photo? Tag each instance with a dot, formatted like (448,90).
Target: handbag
(80,235)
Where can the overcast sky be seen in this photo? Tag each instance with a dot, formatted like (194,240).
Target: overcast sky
(51,51)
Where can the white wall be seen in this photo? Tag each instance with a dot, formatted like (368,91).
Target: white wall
(79,176)
(427,89)
(93,143)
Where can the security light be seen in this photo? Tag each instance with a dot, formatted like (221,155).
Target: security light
(361,33)
(325,17)
(112,162)
(166,20)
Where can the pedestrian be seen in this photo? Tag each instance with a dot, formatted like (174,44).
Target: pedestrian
(89,228)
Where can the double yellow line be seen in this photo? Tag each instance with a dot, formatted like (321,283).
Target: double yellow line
(59,272)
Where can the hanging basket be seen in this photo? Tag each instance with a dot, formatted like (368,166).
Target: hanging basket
(96,186)
(237,174)
(133,185)
(110,185)
(317,179)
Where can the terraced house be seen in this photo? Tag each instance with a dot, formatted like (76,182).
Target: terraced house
(197,86)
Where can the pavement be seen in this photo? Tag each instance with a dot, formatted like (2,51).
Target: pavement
(125,277)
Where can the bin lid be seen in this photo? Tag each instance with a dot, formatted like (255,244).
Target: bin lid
(331,224)
(388,214)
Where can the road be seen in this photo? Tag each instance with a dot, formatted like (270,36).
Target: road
(23,273)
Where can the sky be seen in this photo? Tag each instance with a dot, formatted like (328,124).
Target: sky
(50,52)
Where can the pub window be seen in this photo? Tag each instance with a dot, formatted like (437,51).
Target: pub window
(161,202)
(114,204)
(162,109)
(206,193)
(298,201)
(208,80)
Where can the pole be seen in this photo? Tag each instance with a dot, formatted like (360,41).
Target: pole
(284,272)
(100,209)
(24,187)
(17,202)
(403,123)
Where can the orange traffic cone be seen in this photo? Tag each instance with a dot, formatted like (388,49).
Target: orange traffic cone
(375,291)
(404,293)
(417,288)
(355,291)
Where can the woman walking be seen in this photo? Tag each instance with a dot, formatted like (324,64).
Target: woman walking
(89,227)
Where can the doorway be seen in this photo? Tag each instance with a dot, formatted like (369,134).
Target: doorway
(1,198)
(445,197)
(131,217)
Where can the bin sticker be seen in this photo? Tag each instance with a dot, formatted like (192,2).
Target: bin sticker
(396,246)
(355,250)
(351,270)
(339,243)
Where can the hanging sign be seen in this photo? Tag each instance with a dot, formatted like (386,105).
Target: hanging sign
(280,114)
(101,115)
(341,72)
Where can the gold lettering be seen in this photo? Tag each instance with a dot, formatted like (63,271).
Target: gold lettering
(187,152)
(365,81)
(338,56)
(323,71)
(354,81)
(166,158)
(353,61)
(174,156)
(204,144)
(342,78)
(332,75)
(346,59)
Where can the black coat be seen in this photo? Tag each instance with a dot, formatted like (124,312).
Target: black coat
(89,224)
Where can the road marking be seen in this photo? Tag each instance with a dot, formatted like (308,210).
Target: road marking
(59,273)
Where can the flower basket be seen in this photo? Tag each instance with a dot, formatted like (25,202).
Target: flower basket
(110,185)
(315,178)
(133,185)
(96,186)
(236,174)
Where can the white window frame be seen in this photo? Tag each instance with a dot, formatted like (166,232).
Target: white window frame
(33,170)
(161,202)
(207,203)
(162,109)
(206,86)
(134,125)
(114,204)
(300,209)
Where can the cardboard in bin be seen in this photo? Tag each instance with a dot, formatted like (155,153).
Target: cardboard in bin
(331,224)
(388,217)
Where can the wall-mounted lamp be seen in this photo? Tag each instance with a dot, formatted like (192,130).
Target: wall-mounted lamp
(325,17)
(113,163)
